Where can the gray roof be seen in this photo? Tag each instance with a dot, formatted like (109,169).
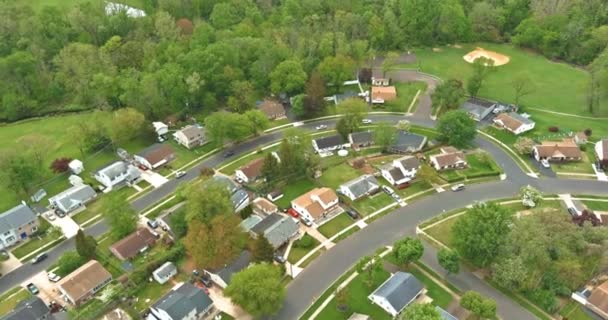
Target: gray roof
(362,185)
(166,269)
(250,222)
(329,142)
(362,137)
(181,301)
(399,290)
(31,309)
(192,131)
(237,194)
(409,162)
(395,172)
(230,185)
(237,265)
(281,232)
(73,197)
(444,314)
(477,107)
(346,95)
(408,142)
(266,223)
(16,217)
(520,118)
(114,169)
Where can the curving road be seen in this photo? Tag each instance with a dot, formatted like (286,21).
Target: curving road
(319,275)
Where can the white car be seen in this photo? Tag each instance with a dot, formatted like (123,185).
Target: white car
(50,216)
(180,174)
(458,187)
(545,163)
(366,121)
(388,190)
(321,127)
(53,277)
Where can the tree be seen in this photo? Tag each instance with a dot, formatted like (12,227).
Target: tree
(314,102)
(407,250)
(262,250)
(389,62)
(217,243)
(336,70)
(420,311)
(355,110)
(121,217)
(479,234)
(342,299)
(449,260)
(258,289)
(481,67)
(207,200)
(288,77)
(60,165)
(522,86)
(85,245)
(530,196)
(457,129)
(69,262)
(126,124)
(297,105)
(524,145)
(257,121)
(369,268)
(243,96)
(448,95)
(484,308)
(91,136)
(385,136)
(19,171)
(269,170)
(222,126)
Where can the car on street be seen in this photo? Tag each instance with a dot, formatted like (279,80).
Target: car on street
(572,211)
(458,187)
(32,288)
(53,277)
(545,163)
(352,213)
(366,121)
(228,154)
(321,127)
(152,223)
(39,258)
(180,174)
(388,190)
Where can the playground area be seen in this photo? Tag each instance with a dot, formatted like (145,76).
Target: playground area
(499,59)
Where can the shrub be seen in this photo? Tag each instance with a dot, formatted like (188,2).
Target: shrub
(588,132)
(583,147)
(553,129)
(305,242)
(207,172)
(246,212)
(543,298)
(69,262)
(60,165)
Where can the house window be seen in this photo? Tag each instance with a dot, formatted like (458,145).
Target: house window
(34,228)
(7,233)
(10,239)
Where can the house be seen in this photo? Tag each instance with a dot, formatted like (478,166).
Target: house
(360,187)
(32,308)
(401,170)
(155,156)
(250,172)
(383,94)
(73,198)
(133,244)
(76,166)
(514,122)
(274,195)
(397,292)
(160,128)
(84,282)
(407,142)
(448,158)
(190,136)
(276,228)
(273,109)
(565,150)
(117,174)
(238,196)
(250,222)
(478,109)
(380,82)
(595,299)
(16,225)
(580,138)
(164,272)
(329,143)
(264,207)
(184,302)
(601,152)
(361,139)
(222,276)
(316,203)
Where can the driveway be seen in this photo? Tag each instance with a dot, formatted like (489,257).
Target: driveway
(153,178)
(68,227)
(48,290)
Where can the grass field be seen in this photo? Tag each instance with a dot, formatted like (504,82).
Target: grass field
(335,176)
(405,94)
(10,299)
(336,225)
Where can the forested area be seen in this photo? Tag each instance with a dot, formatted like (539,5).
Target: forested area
(188,56)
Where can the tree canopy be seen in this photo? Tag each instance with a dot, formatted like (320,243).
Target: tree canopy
(258,289)
(456,128)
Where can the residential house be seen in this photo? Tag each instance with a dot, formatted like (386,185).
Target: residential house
(514,122)
(133,244)
(601,152)
(32,308)
(380,82)
(276,228)
(113,8)
(73,199)
(580,138)
(397,292)
(315,203)
(117,174)
(250,222)
(360,187)
(238,196)
(478,109)
(155,156)
(184,302)
(382,94)
(595,299)
(190,136)
(401,171)
(16,225)
(222,276)
(407,142)
(448,158)
(329,143)
(165,272)
(274,195)
(361,139)
(273,109)
(264,207)
(80,285)
(250,172)
(565,150)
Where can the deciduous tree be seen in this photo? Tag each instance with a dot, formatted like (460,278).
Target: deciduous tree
(86,246)
(258,289)
(288,77)
(257,121)
(336,70)
(448,95)
(524,145)
(420,311)
(262,250)
(449,260)
(407,250)
(217,243)
(60,165)
(119,214)
(484,308)
(207,200)
(126,124)
(457,128)
(522,86)
(385,136)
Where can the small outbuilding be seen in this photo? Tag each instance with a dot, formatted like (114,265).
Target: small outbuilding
(76,166)
(164,272)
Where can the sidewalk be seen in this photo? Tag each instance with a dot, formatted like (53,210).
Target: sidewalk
(321,238)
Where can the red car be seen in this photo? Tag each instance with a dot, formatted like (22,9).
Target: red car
(293,213)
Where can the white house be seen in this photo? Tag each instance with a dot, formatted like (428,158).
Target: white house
(401,170)
(380,82)
(73,198)
(222,276)
(190,136)
(184,302)
(76,166)
(360,187)
(449,158)
(160,128)
(514,122)
(164,272)
(117,174)
(249,172)
(330,143)
(113,8)
(397,292)
(316,203)
(16,225)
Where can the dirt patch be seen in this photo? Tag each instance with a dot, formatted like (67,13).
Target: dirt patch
(499,59)
(437,49)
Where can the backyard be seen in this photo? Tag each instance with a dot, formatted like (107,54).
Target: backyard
(406,91)
(334,176)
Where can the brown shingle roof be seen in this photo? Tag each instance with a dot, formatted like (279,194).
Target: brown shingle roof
(385,93)
(449,156)
(313,207)
(599,297)
(80,282)
(272,108)
(508,121)
(129,246)
(265,205)
(156,153)
(566,148)
(327,195)
(253,169)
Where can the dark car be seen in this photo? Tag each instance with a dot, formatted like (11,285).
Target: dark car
(229,153)
(206,280)
(39,258)
(352,213)
(32,288)
(60,213)
(152,224)
(572,211)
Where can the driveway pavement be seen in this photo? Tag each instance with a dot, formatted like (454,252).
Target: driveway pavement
(68,227)
(153,178)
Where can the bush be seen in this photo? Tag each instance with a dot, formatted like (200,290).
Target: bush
(543,298)
(69,262)
(553,129)
(583,147)
(588,132)
(246,212)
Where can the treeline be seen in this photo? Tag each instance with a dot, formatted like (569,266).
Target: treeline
(185,56)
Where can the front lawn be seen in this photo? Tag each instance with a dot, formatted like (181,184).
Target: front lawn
(148,293)
(293,190)
(480,163)
(442,232)
(583,166)
(406,91)
(504,136)
(301,247)
(10,299)
(369,205)
(334,176)
(45,237)
(574,311)
(335,225)
(596,205)
(414,188)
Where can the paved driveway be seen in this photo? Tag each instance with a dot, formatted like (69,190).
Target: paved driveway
(153,178)
(68,227)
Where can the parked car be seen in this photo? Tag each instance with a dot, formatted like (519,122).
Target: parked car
(180,174)
(388,190)
(50,216)
(228,154)
(206,280)
(60,213)
(307,222)
(152,223)
(366,121)
(352,213)
(53,277)
(545,163)
(458,187)
(32,288)
(279,258)
(293,213)
(572,211)
(39,258)
(396,197)
(321,127)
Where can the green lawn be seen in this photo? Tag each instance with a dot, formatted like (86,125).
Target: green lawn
(346,234)
(406,91)
(481,164)
(298,251)
(574,311)
(312,257)
(369,205)
(583,166)
(293,190)
(334,176)
(335,225)
(503,135)
(37,242)
(150,291)
(596,205)
(440,296)
(443,232)
(416,187)
(16,295)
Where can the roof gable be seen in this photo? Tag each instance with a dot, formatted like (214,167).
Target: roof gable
(399,290)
